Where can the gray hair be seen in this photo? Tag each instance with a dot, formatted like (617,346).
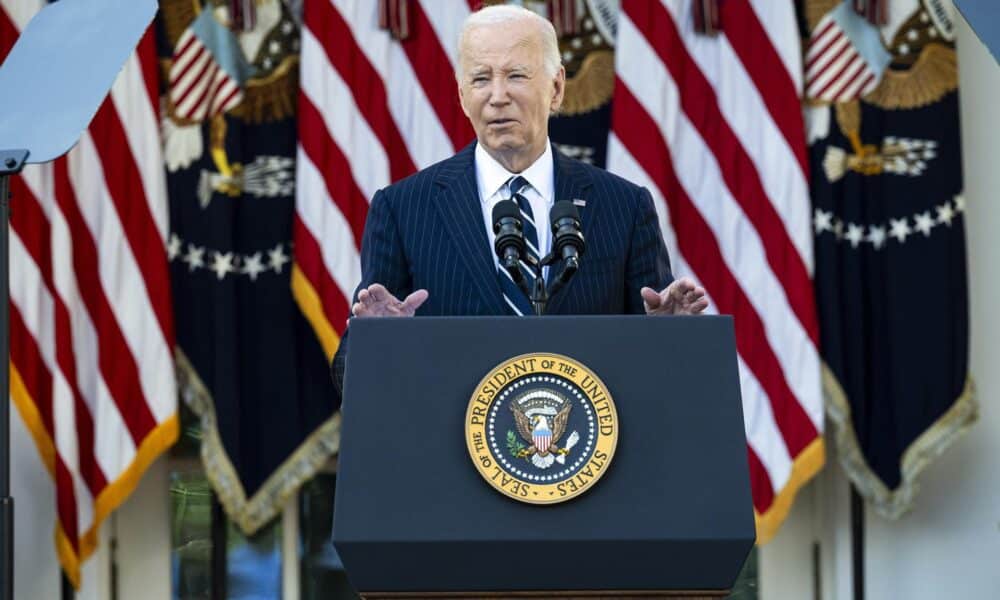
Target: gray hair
(506,13)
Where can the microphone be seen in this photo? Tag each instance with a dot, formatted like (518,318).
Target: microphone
(509,243)
(567,237)
(567,242)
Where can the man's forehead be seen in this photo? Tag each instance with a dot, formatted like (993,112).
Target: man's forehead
(498,40)
(476,66)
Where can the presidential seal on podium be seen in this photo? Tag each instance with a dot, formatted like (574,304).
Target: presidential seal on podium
(541,428)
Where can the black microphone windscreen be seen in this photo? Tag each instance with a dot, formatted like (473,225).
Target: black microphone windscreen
(562,210)
(506,208)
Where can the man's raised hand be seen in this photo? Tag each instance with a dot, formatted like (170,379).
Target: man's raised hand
(376,301)
(681,297)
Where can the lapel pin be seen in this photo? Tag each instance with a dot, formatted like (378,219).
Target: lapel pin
(579,202)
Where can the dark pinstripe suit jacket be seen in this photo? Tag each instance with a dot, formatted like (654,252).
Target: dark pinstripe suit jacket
(427,231)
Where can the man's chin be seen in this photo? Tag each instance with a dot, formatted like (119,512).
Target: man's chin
(504,144)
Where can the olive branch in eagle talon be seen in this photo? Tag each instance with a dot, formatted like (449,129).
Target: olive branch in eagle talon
(542,436)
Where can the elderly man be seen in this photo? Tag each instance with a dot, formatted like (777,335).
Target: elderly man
(428,240)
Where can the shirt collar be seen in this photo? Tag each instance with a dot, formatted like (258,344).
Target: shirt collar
(491,175)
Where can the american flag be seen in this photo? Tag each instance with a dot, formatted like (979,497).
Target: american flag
(372,110)
(712,126)
(200,85)
(844,58)
(91,327)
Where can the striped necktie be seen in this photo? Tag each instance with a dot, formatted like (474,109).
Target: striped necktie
(515,298)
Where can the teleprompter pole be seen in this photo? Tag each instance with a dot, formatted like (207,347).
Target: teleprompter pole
(11,162)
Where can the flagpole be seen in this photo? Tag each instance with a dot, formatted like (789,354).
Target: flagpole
(11,162)
(858,544)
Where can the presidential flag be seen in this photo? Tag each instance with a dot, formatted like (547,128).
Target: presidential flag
(91,322)
(888,221)
(249,365)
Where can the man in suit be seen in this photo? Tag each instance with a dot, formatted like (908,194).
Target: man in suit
(428,241)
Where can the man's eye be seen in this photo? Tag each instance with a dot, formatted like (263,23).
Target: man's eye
(517,76)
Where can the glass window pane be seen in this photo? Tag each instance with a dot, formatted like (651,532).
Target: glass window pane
(190,535)
(253,564)
(322,573)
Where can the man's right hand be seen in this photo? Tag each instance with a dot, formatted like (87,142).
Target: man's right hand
(376,301)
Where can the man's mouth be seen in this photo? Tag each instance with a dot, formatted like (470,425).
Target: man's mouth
(501,122)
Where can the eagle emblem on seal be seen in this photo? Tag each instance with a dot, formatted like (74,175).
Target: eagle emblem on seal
(541,417)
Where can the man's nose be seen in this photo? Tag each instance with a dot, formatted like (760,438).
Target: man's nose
(498,92)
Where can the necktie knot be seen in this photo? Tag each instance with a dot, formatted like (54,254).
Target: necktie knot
(516,184)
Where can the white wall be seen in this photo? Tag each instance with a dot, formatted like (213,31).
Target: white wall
(142,523)
(949,545)
(36,572)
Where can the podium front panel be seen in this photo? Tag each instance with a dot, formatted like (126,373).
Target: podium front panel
(672,511)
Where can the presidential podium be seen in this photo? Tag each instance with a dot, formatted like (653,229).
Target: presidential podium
(669,515)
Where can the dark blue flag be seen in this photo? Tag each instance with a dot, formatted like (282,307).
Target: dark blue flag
(249,365)
(890,261)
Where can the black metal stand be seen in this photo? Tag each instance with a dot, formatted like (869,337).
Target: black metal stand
(539,295)
(67,588)
(219,535)
(11,163)
(858,543)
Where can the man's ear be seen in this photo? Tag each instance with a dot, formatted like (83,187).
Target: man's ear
(558,90)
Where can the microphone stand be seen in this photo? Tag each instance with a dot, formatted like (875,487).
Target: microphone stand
(540,294)
(537,295)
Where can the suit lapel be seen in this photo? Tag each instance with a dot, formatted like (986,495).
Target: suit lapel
(462,215)
(572,183)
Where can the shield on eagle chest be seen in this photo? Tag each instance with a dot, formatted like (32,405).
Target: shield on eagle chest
(542,438)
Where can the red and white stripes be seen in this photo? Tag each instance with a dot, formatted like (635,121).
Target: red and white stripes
(91,321)
(372,109)
(835,71)
(727,167)
(199,87)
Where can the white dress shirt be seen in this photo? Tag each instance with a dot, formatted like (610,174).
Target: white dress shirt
(491,177)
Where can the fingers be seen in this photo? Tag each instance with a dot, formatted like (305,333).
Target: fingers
(379,293)
(414,300)
(377,301)
(682,297)
(651,298)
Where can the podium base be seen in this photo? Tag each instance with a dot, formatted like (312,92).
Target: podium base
(564,595)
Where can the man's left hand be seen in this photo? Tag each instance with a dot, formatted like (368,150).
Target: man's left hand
(682,297)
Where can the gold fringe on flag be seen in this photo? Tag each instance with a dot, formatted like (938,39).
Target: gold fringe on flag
(931,444)
(250,514)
